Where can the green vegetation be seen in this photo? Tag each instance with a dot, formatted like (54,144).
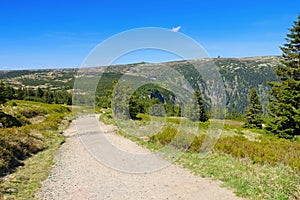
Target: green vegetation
(2,93)
(38,95)
(19,143)
(257,182)
(196,111)
(234,116)
(7,121)
(255,165)
(27,179)
(284,115)
(55,79)
(148,99)
(254,113)
(263,150)
(239,76)
(28,128)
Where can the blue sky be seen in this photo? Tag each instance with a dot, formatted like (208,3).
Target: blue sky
(55,34)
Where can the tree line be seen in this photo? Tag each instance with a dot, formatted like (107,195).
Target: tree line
(30,94)
(283,113)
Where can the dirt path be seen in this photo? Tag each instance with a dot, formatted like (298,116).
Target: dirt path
(79,174)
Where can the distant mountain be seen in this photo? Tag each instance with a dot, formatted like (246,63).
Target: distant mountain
(53,79)
(239,76)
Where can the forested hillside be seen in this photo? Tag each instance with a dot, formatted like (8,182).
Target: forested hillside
(239,76)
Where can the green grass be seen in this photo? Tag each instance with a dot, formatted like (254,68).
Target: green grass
(107,116)
(28,178)
(19,143)
(265,174)
(32,145)
(245,178)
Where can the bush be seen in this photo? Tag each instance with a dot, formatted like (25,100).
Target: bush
(266,150)
(7,121)
(16,146)
(31,112)
(11,104)
(174,120)
(182,140)
(143,117)
(178,139)
(203,125)
(19,143)
(196,145)
(269,150)
(165,137)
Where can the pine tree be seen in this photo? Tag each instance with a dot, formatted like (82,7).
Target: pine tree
(20,93)
(254,113)
(48,97)
(197,112)
(39,93)
(135,107)
(3,95)
(284,102)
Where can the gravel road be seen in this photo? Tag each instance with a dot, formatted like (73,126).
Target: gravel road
(79,174)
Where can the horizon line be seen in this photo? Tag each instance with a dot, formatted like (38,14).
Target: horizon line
(5,68)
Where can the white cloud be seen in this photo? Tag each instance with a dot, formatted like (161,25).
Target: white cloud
(176,29)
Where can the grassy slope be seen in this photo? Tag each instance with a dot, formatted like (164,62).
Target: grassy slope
(44,133)
(247,178)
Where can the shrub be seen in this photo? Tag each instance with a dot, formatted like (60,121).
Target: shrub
(19,143)
(8,121)
(164,137)
(203,125)
(182,140)
(143,117)
(266,150)
(269,150)
(174,120)
(196,145)
(178,139)
(11,104)
(31,112)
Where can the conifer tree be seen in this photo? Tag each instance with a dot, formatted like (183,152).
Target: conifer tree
(253,115)
(197,112)
(39,93)
(3,96)
(284,102)
(20,93)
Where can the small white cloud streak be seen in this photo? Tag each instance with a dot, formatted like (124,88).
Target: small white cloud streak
(176,29)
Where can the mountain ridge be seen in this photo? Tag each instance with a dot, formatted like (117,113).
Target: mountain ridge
(239,76)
